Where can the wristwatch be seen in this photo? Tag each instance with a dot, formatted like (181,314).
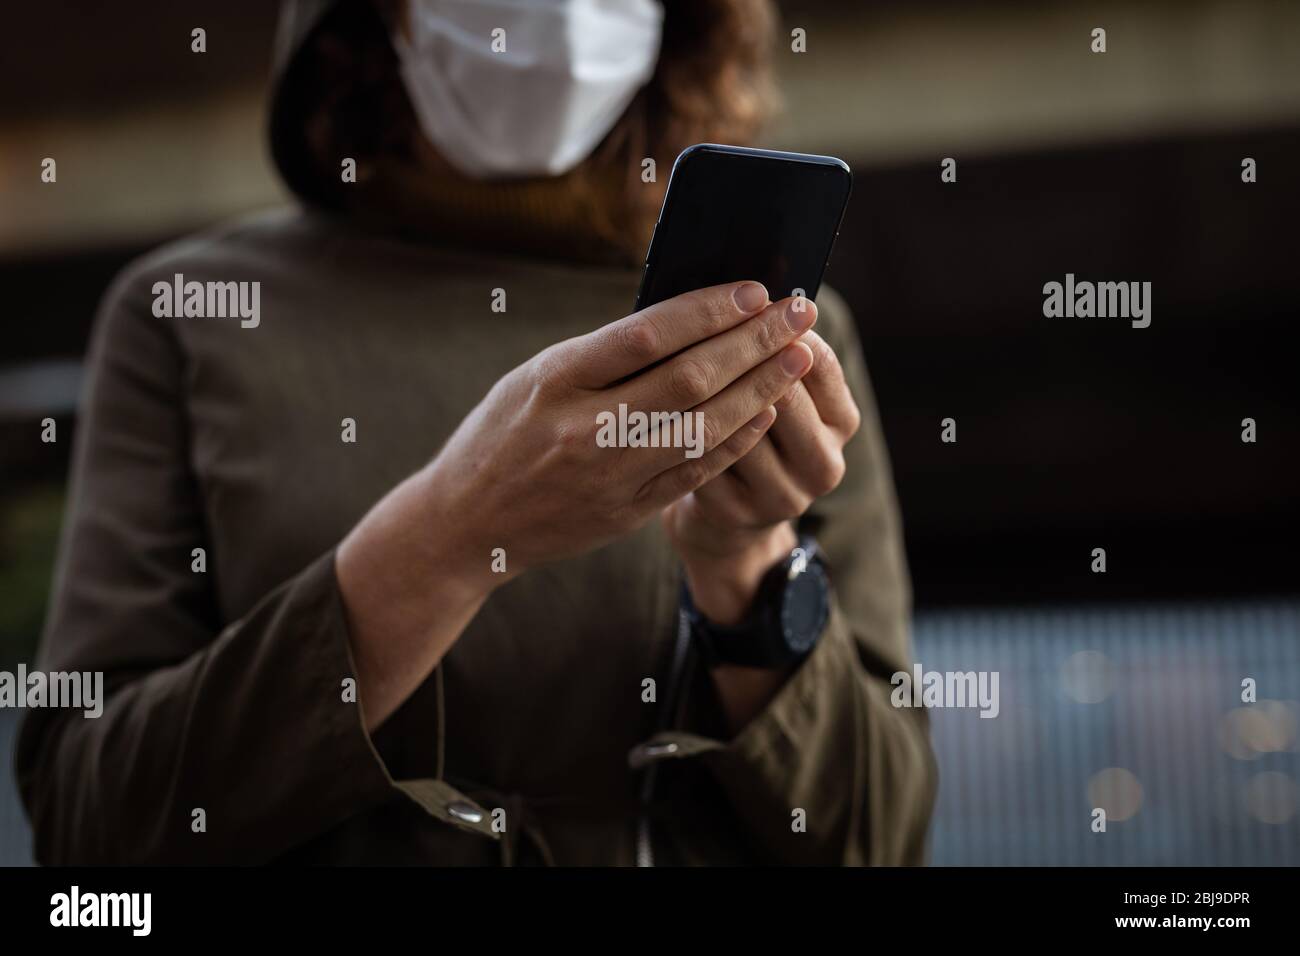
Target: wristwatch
(784,623)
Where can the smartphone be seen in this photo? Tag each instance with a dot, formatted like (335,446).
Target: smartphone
(732,213)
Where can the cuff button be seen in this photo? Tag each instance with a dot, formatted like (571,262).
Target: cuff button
(466,812)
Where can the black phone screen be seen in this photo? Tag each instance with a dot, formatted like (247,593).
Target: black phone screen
(733,214)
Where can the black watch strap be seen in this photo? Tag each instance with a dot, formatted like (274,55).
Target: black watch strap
(758,641)
(746,645)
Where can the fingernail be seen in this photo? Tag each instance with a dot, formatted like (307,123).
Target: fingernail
(800,314)
(750,297)
(764,418)
(795,361)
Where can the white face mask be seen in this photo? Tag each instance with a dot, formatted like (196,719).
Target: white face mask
(536,99)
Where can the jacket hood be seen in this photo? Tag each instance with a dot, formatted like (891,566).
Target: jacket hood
(555,217)
(299,21)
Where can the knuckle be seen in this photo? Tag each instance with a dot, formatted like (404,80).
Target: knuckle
(716,307)
(549,371)
(688,380)
(639,339)
(829,473)
(742,440)
(825,361)
(771,333)
(568,435)
(712,433)
(821,349)
(735,443)
(703,307)
(794,503)
(855,418)
(694,474)
(786,503)
(774,382)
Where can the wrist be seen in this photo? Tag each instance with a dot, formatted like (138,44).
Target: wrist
(412,552)
(452,545)
(408,589)
(724,584)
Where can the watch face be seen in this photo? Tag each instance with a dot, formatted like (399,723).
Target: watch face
(803,612)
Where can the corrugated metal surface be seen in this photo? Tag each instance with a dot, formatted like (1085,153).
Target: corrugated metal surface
(1166,686)
(15,840)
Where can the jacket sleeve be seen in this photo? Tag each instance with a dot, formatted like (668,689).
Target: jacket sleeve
(245,722)
(830,743)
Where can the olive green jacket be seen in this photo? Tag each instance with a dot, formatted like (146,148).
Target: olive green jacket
(534,741)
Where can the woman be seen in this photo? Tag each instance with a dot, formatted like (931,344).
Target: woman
(363,586)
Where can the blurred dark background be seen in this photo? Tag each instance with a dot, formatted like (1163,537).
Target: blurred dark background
(1072,433)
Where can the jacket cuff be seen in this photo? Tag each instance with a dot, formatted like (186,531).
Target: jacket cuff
(356,751)
(326,718)
(794,775)
(812,711)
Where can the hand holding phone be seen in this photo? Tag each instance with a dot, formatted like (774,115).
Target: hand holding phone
(731,214)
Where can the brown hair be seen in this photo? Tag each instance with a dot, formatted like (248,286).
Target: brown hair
(712,83)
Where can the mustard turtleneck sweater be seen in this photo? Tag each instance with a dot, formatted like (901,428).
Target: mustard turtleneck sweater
(582,216)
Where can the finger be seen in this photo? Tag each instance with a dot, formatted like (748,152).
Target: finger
(707,426)
(752,392)
(686,477)
(705,369)
(801,435)
(728,497)
(829,389)
(629,345)
(766,490)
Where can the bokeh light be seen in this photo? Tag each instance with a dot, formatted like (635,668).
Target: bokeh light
(1268,726)
(1087,677)
(1117,791)
(1271,797)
